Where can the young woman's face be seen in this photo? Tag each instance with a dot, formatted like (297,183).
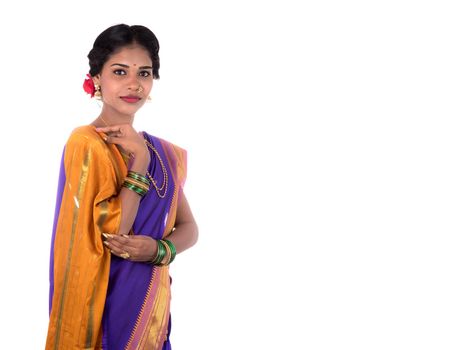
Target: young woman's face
(126,80)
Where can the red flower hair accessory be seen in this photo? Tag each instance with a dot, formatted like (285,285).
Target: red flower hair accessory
(89,85)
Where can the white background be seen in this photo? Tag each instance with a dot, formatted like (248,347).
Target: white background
(317,134)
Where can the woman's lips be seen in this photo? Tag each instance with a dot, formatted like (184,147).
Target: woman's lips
(130,99)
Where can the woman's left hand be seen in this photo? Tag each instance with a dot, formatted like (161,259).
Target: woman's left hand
(131,247)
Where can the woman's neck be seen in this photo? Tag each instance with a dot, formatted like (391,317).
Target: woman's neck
(109,117)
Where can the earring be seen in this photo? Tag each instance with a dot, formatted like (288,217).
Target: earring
(97,93)
(149,98)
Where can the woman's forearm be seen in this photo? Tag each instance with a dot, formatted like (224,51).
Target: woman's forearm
(129,199)
(184,236)
(185,233)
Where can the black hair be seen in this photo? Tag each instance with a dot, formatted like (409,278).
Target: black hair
(118,36)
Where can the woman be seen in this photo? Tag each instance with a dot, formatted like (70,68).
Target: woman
(121,215)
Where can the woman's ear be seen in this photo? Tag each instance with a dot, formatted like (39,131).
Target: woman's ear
(96,79)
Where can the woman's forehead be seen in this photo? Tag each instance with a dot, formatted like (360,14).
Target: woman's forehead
(132,55)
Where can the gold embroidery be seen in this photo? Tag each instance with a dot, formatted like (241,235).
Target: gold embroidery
(79,197)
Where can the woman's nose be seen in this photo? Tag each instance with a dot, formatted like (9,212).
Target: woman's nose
(133,84)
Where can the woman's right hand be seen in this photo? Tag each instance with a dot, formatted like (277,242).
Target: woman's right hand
(125,136)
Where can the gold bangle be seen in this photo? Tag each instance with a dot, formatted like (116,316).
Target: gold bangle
(139,184)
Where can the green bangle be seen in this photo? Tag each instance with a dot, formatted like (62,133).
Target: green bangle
(135,189)
(161,253)
(137,183)
(172,249)
(141,192)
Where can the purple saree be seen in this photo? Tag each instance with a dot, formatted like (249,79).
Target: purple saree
(132,309)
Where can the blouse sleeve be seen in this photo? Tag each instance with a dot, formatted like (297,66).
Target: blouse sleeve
(90,205)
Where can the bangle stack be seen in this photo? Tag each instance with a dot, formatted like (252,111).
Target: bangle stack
(136,183)
(166,253)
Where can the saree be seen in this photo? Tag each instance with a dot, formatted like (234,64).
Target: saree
(98,300)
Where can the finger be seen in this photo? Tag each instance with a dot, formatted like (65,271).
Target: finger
(125,241)
(122,252)
(135,254)
(116,247)
(120,248)
(115,134)
(123,255)
(103,136)
(113,139)
(114,253)
(107,129)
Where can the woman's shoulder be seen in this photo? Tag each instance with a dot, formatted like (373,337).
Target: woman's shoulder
(85,135)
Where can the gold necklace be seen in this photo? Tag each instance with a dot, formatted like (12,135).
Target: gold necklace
(103,121)
(164,171)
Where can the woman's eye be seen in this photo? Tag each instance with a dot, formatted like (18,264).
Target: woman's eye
(145,73)
(119,72)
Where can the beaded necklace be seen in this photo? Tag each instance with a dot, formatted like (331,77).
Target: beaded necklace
(164,185)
